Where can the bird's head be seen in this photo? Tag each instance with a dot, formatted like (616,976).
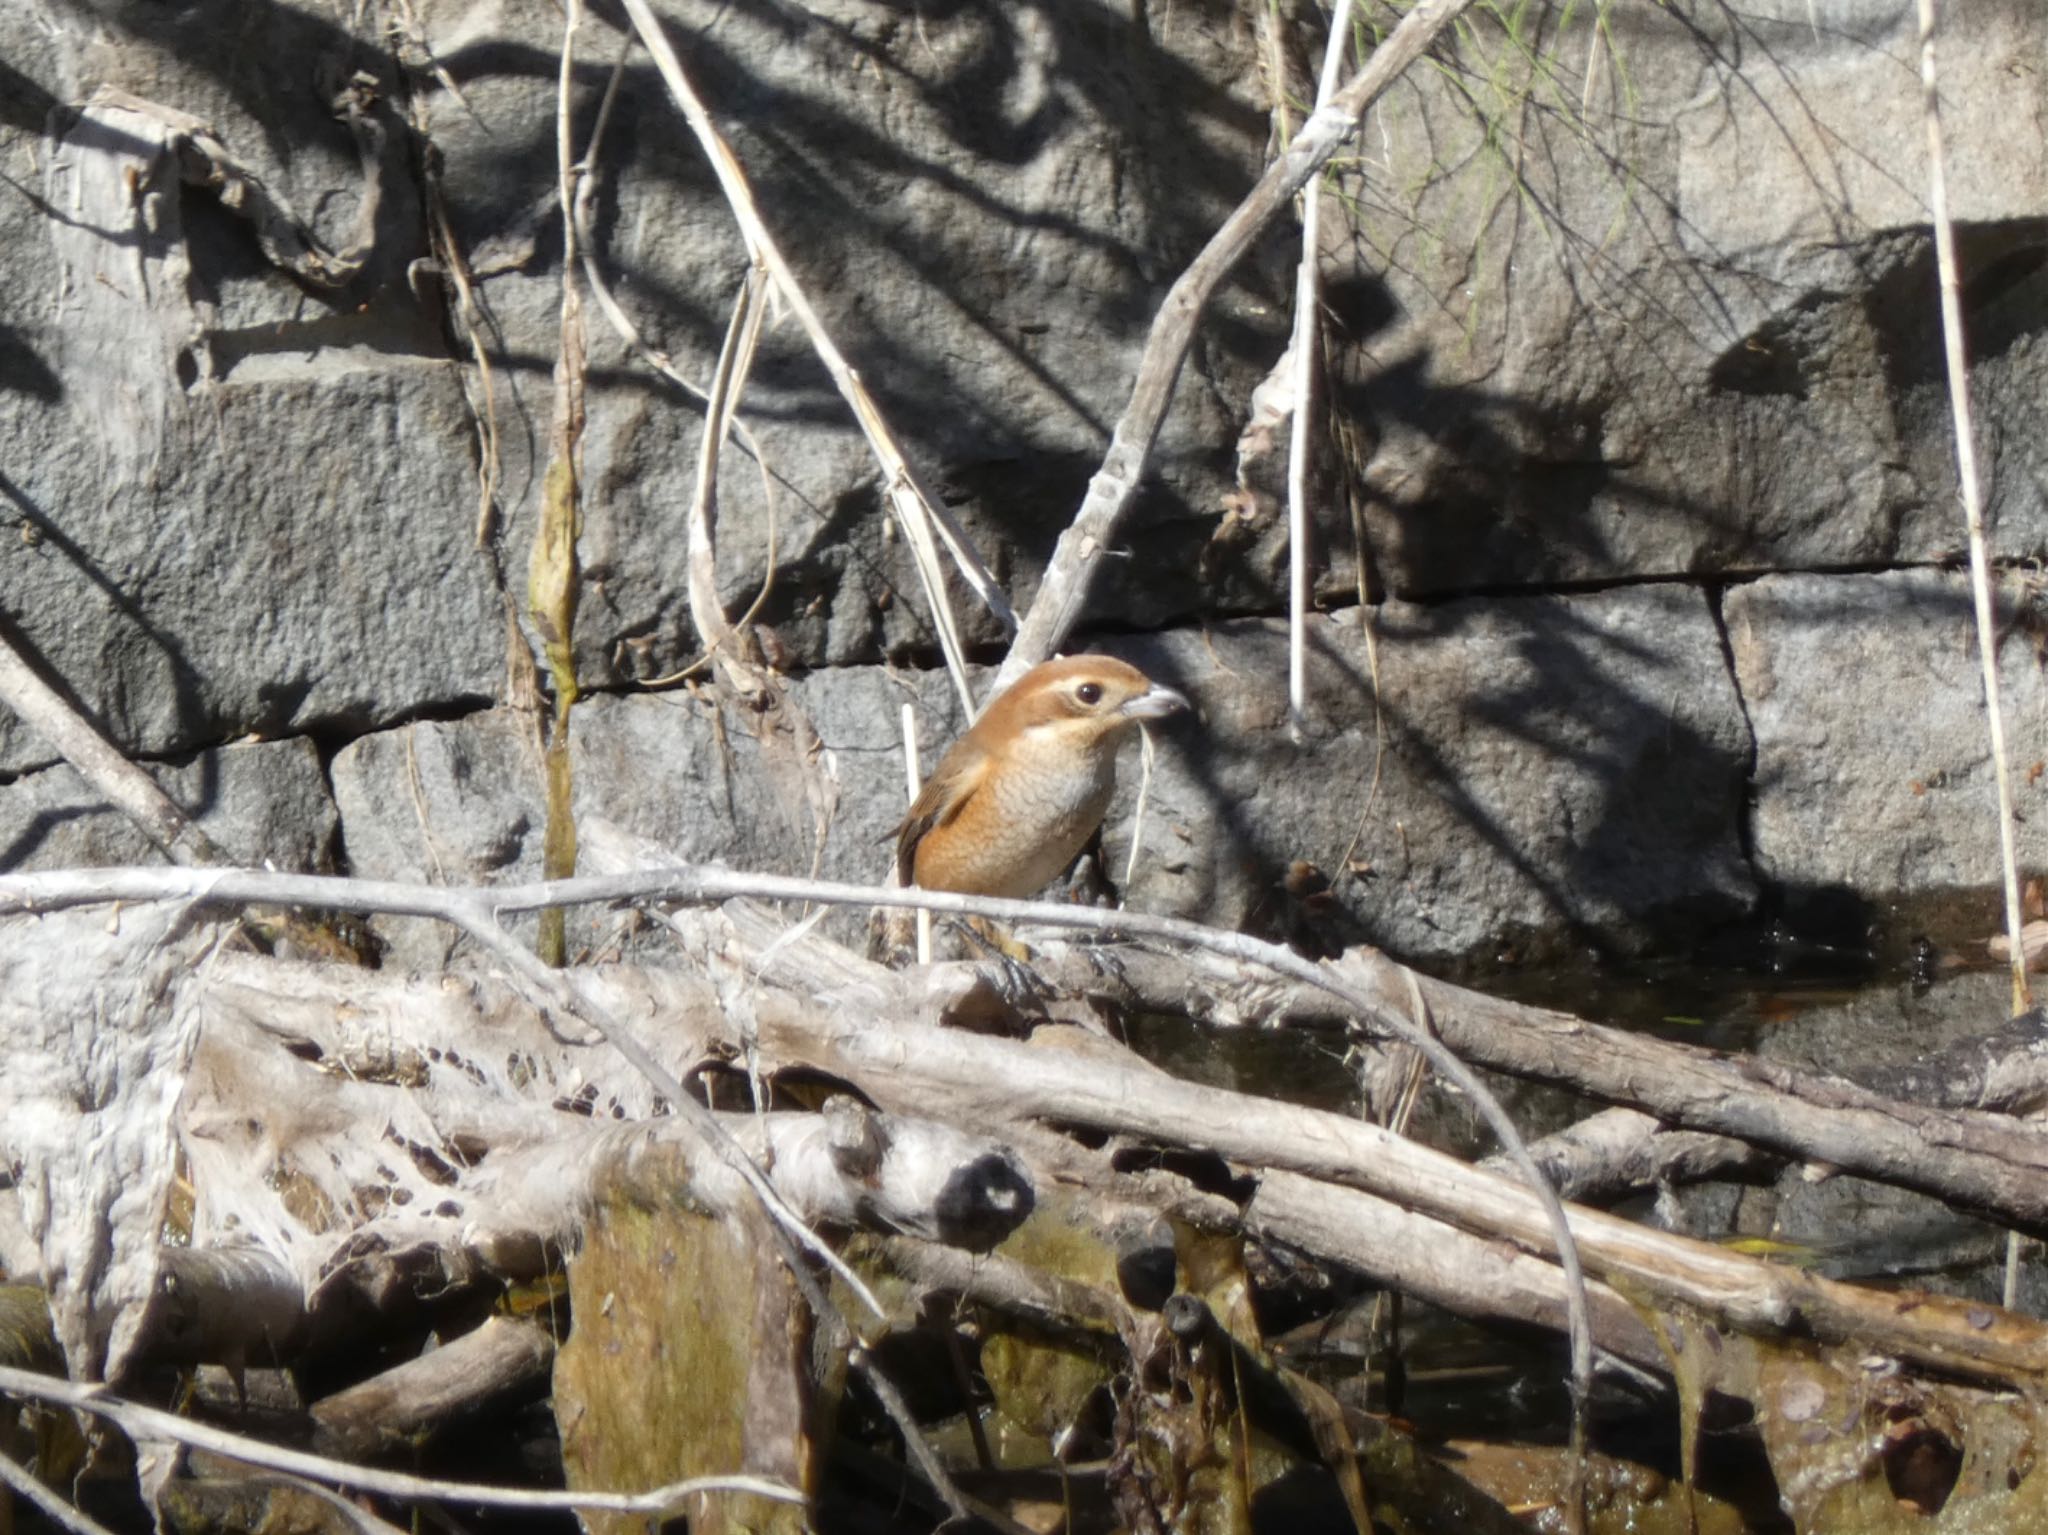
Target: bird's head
(1078,702)
(1013,800)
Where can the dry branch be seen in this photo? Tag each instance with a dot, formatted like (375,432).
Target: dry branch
(145,1422)
(398,1408)
(978,1080)
(1082,547)
(1618,1151)
(128,788)
(1303,350)
(1466,1275)
(919,509)
(1988,1163)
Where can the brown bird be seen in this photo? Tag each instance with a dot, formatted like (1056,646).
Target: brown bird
(1016,798)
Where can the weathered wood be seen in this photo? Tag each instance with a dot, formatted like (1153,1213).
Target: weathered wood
(1467,1275)
(231,1306)
(404,1406)
(1986,1163)
(1617,1151)
(994,1084)
(978,1080)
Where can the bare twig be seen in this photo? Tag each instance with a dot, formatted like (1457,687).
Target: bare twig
(77,1520)
(1146,752)
(153,1423)
(127,787)
(918,508)
(475,323)
(913,781)
(615,315)
(728,383)
(1307,333)
(1081,549)
(1973,504)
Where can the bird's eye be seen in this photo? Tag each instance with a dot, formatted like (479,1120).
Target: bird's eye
(1089,693)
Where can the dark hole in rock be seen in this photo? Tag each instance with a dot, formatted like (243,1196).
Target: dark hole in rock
(1921,1465)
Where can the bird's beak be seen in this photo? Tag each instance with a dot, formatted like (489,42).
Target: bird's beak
(1154,704)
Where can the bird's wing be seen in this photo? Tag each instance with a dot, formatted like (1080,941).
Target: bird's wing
(943,797)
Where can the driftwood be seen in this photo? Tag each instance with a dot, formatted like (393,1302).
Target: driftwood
(478,915)
(403,1405)
(1434,1205)
(225,1305)
(971,1099)
(812,1005)
(1983,1162)
(1619,1151)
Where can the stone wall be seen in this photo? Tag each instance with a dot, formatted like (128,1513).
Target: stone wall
(1640,445)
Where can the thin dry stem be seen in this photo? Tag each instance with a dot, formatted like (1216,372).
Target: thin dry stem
(17,1479)
(728,384)
(913,782)
(918,508)
(1973,503)
(455,266)
(615,315)
(1980,563)
(150,1422)
(1145,755)
(1305,346)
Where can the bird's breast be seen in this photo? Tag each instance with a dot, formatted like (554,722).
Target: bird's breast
(1027,822)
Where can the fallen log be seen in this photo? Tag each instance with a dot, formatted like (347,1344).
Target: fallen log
(1986,1163)
(401,1407)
